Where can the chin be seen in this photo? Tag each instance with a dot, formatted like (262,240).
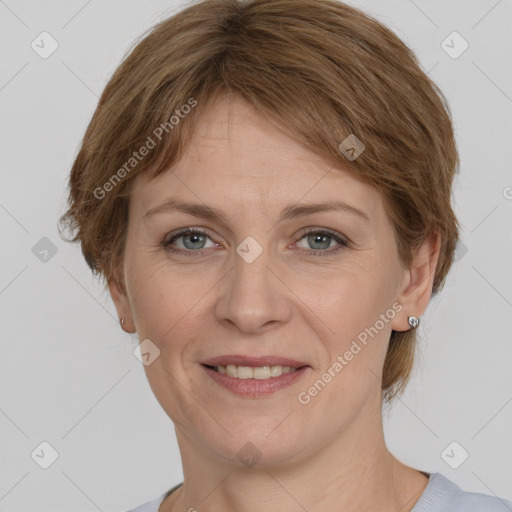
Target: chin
(264,447)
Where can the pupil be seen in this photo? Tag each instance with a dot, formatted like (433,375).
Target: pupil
(194,238)
(319,239)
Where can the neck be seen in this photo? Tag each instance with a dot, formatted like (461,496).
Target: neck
(352,472)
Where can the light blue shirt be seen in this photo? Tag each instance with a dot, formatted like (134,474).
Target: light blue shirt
(440,495)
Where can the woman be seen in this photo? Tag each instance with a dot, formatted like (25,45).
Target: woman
(265,189)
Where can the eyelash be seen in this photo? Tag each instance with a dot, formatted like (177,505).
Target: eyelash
(193,231)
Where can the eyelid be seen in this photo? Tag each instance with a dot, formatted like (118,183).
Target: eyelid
(304,231)
(328,231)
(184,231)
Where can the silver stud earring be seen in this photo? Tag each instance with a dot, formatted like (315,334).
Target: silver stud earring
(122,322)
(413,321)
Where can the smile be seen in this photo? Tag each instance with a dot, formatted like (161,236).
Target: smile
(248,372)
(255,381)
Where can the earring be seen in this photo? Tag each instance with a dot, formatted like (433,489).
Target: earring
(413,321)
(122,322)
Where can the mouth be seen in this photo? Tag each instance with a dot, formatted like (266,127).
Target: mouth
(253,372)
(254,377)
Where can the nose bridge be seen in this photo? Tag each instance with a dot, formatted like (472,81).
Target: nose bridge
(250,280)
(251,262)
(252,296)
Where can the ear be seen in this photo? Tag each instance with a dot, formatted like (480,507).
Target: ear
(122,304)
(416,288)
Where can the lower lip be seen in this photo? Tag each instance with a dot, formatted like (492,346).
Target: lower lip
(256,387)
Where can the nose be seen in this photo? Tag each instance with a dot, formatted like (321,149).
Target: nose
(253,295)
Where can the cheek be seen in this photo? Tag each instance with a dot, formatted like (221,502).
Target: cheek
(355,310)
(168,305)
(347,295)
(153,295)
(169,301)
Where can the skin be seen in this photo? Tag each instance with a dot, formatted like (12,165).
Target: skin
(329,454)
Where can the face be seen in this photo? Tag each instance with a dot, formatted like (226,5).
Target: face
(307,285)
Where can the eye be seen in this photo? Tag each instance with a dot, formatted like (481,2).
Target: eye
(192,240)
(320,242)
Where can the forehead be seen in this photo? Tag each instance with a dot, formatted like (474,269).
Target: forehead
(238,157)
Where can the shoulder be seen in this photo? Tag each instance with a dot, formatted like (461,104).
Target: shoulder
(150,506)
(443,495)
(153,505)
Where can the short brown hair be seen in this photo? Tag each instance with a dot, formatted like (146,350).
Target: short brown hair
(319,69)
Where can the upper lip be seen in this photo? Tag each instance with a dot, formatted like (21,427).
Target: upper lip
(241,360)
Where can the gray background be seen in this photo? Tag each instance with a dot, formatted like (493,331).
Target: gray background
(68,373)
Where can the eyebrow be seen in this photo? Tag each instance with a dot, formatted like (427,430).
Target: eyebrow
(291,211)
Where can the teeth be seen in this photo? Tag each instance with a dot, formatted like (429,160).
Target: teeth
(248,372)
